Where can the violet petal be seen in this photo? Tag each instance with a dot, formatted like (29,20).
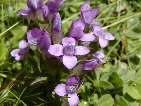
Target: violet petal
(56,50)
(69,61)
(45,42)
(73,99)
(76,29)
(34,36)
(45,11)
(72,80)
(89,15)
(14,52)
(54,5)
(88,37)
(23,44)
(109,36)
(85,6)
(99,55)
(89,64)
(34,4)
(56,33)
(60,89)
(56,22)
(17,58)
(25,12)
(103,42)
(81,50)
(68,41)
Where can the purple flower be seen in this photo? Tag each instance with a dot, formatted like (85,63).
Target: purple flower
(103,36)
(87,13)
(53,5)
(34,4)
(98,59)
(45,11)
(68,50)
(44,42)
(56,32)
(39,38)
(25,12)
(19,53)
(69,88)
(35,9)
(34,36)
(76,31)
(23,44)
(56,23)
(88,37)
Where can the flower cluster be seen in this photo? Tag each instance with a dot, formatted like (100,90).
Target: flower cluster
(68,49)
(37,9)
(69,88)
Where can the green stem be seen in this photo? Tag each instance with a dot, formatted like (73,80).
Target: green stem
(71,17)
(113,47)
(9,28)
(122,20)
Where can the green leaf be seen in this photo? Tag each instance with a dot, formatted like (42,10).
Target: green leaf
(116,80)
(138,87)
(133,92)
(3,51)
(138,77)
(106,100)
(103,84)
(93,100)
(135,60)
(120,101)
(134,104)
(125,74)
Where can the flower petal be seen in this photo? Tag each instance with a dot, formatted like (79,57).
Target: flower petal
(56,50)
(45,11)
(69,61)
(56,23)
(72,80)
(89,64)
(17,58)
(100,56)
(87,37)
(89,15)
(109,36)
(56,32)
(34,36)
(68,41)
(45,42)
(97,30)
(34,4)
(23,44)
(103,42)
(15,52)
(53,5)
(73,99)
(60,89)
(76,29)
(81,50)
(85,6)
(25,12)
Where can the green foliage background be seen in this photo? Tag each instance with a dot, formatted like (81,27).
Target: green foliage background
(116,83)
